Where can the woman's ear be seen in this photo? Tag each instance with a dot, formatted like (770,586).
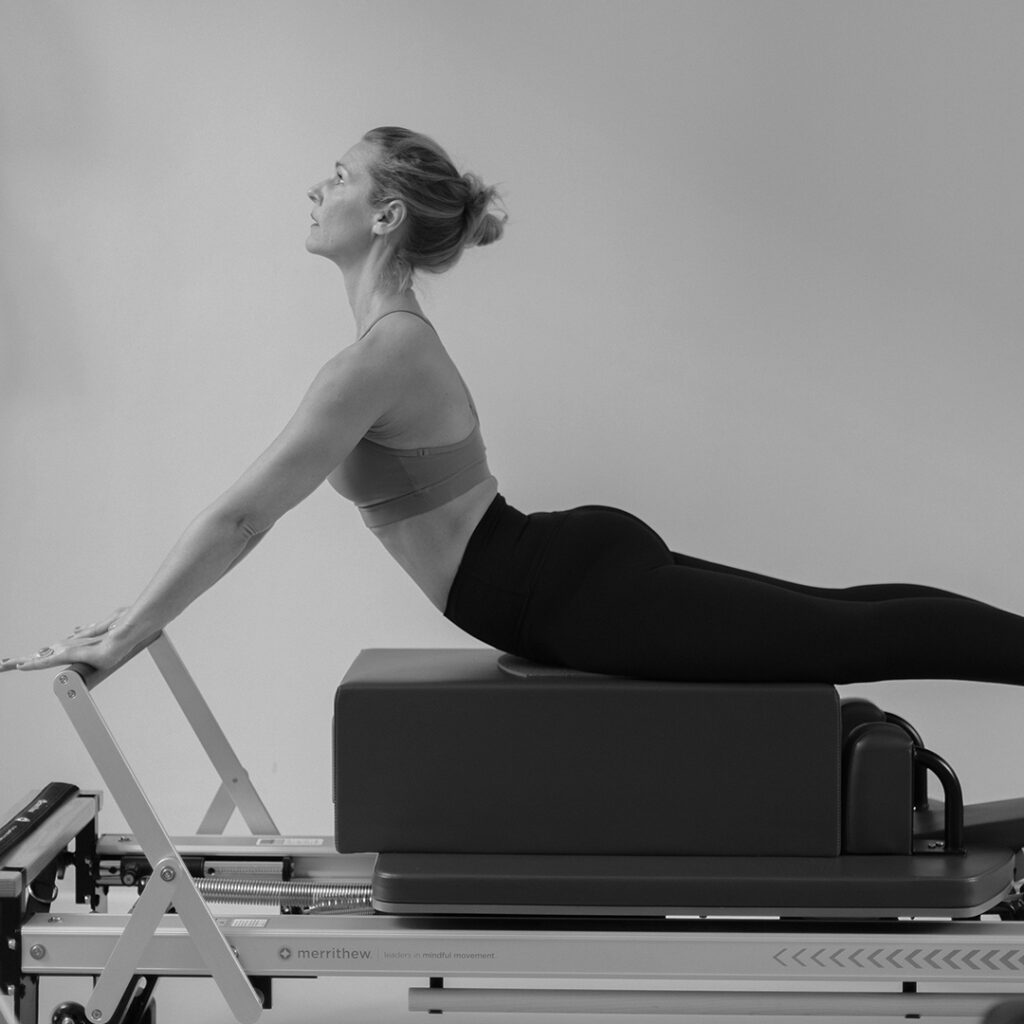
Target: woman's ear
(390,217)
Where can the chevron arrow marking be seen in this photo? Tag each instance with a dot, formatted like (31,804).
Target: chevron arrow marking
(988,958)
(969,959)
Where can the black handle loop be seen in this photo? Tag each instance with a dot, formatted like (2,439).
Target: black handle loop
(953,821)
(920,770)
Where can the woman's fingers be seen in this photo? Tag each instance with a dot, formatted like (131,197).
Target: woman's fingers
(50,656)
(96,628)
(81,637)
(45,657)
(41,659)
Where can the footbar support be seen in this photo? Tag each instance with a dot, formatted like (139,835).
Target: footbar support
(163,889)
(171,882)
(236,789)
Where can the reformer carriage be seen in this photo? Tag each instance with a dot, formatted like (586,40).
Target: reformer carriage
(500,821)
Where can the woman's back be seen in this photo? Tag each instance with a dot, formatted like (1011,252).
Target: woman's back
(420,475)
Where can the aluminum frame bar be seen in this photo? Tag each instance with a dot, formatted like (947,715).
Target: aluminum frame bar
(311,856)
(775,953)
(703,1004)
(236,788)
(218,814)
(76,699)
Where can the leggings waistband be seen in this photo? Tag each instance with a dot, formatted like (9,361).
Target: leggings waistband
(492,588)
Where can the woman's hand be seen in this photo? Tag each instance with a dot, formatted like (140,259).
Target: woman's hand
(98,645)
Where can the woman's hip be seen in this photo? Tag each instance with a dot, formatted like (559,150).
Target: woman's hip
(520,571)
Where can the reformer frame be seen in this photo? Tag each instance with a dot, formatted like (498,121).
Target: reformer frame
(172,930)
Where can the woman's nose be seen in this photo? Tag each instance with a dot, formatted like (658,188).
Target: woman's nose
(314,193)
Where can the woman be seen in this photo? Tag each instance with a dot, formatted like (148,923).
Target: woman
(389,422)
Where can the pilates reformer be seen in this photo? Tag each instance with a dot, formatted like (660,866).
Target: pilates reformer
(526,822)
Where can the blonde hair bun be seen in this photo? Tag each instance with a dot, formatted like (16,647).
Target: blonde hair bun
(446,212)
(483,224)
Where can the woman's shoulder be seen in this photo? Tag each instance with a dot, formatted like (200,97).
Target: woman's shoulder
(397,347)
(398,339)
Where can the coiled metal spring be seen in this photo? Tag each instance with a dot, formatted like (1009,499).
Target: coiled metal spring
(323,897)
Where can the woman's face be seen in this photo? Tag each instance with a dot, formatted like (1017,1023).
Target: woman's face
(343,220)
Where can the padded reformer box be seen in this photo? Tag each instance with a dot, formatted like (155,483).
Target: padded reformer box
(440,750)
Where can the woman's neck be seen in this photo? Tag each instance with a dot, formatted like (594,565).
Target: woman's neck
(369,300)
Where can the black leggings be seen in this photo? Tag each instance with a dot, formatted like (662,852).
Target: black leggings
(595,588)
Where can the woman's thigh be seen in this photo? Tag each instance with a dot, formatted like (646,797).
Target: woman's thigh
(868,592)
(672,622)
(611,597)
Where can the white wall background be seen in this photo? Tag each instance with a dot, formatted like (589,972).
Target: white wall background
(761,285)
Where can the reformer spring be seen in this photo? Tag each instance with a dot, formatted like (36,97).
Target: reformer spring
(338,896)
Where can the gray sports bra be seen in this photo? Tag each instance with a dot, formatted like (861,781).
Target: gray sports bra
(390,484)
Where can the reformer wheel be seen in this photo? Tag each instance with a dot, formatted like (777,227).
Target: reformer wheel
(74,1013)
(1011,909)
(69,1013)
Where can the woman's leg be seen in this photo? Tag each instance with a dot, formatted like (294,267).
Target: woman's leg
(613,598)
(870,592)
(679,623)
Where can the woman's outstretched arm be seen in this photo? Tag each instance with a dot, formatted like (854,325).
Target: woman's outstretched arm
(347,396)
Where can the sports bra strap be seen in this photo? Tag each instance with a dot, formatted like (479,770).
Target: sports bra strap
(411,312)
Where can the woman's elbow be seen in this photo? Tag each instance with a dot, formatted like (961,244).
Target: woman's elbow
(251,529)
(246,523)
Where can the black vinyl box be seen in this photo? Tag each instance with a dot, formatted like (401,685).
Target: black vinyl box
(441,751)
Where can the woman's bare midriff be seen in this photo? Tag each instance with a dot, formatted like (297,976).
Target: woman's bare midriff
(430,546)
